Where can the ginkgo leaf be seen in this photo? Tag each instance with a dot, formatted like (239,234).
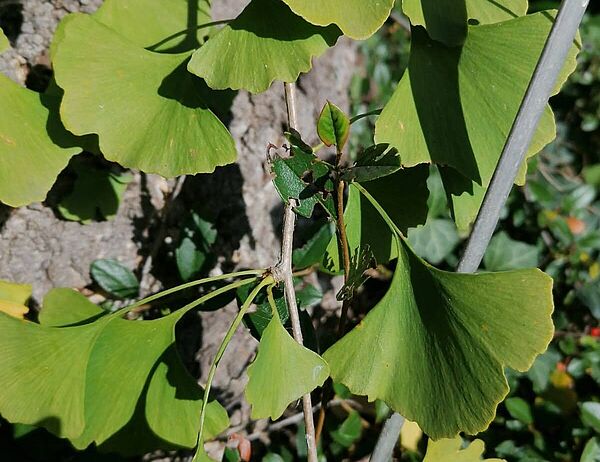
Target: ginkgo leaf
(455,106)
(266,42)
(158,25)
(446,450)
(403,194)
(16,310)
(282,372)
(62,378)
(145,107)
(14,292)
(446,20)
(34,147)
(358,19)
(67,307)
(96,194)
(448,338)
(4,43)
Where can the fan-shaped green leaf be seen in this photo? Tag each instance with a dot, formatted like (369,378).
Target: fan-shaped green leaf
(446,450)
(266,42)
(159,25)
(358,19)
(67,307)
(146,108)
(448,337)
(403,194)
(446,20)
(282,372)
(34,147)
(455,106)
(18,293)
(4,43)
(64,378)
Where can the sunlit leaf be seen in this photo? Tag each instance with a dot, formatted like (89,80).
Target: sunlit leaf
(67,307)
(455,106)
(333,126)
(13,292)
(448,338)
(63,378)
(266,42)
(16,310)
(446,20)
(358,19)
(282,372)
(446,450)
(4,43)
(159,25)
(34,147)
(146,108)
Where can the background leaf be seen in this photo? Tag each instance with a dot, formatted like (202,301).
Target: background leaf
(115,278)
(504,253)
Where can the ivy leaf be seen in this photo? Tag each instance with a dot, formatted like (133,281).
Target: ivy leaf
(75,382)
(450,449)
(454,120)
(34,147)
(519,409)
(147,23)
(435,240)
(115,278)
(505,253)
(358,19)
(305,178)
(446,20)
(333,126)
(266,42)
(375,162)
(4,43)
(590,415)
(360,262)
(448,338)
(145,107)
(96,194)
(282,372)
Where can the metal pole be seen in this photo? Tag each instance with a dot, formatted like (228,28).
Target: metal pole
(538,93)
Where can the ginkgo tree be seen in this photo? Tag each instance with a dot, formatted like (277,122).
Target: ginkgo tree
(139,83)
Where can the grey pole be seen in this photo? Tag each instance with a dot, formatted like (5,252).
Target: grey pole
(538,93)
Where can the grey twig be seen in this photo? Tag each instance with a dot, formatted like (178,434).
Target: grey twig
(538,93)
(283,272)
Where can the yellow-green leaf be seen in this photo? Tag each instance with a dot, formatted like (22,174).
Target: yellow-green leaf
(266,42)
(282,372)
(449,450)
(358,19)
